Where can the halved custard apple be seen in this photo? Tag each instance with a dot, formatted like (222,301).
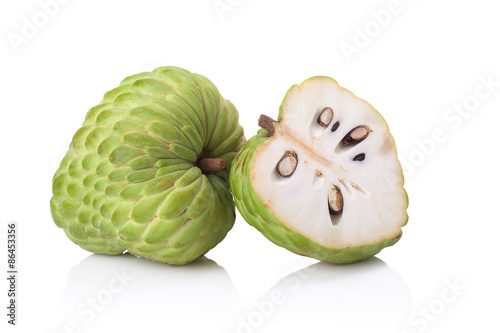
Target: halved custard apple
(323,180)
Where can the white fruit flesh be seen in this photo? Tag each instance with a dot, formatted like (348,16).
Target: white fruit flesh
(374,200)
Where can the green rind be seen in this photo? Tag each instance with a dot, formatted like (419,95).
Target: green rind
(133,162)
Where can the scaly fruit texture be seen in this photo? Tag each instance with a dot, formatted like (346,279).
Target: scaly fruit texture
(323,180)
(148,171)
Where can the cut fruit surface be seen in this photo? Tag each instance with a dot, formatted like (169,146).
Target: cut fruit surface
(344,199)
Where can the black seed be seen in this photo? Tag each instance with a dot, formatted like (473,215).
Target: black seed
(359,157)
(356,135)
(335,126)
(287,164)
(325,118)
(335,200)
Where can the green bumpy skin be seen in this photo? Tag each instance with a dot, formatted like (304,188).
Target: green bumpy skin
(129,181)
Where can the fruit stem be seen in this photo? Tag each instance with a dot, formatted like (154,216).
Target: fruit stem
(209,164)
(267,123)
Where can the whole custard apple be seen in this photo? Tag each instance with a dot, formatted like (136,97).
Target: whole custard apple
(148,171)
(324,180)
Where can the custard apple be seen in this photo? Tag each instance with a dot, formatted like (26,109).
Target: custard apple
(323,180)
(148,171)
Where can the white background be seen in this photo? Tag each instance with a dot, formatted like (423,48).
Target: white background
(418,67)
